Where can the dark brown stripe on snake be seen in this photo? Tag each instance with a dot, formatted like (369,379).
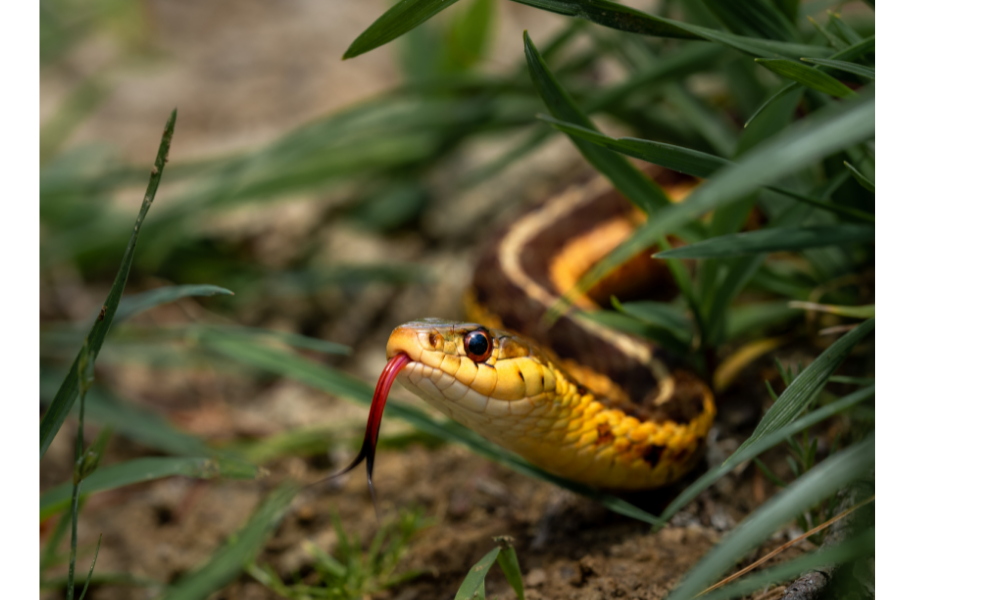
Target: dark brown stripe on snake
(495,290)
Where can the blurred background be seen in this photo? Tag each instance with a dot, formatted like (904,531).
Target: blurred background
(334,199)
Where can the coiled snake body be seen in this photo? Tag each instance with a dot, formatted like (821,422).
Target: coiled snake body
(582,401)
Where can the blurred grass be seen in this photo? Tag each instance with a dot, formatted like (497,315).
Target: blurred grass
(64,398)
(228,561)
(709,94)
(146,469)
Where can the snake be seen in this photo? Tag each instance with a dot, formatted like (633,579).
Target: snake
(575,397)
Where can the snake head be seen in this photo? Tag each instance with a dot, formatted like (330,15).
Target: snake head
(472,373)
(466,366)
(490,380)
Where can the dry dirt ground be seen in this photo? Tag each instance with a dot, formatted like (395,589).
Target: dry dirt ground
(242,73)
(568,547)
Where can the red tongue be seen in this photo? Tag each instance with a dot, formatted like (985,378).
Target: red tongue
(396,363)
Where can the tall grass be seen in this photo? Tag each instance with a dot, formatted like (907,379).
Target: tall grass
(781,166)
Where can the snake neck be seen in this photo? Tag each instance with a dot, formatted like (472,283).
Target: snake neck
(542,254)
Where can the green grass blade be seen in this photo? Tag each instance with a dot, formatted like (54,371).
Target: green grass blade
(137,303)
(85,374)
(859,312)
(633,184)
(857,547)
(684,160)
(754,18)
(748,452)
(145,469)
(750,317)
(713,126)
(50,553)
(657,313)
(832,38)
(473,32)
(847,67)
(291,365)
(306,441)
(508,563)
(143,426)
(476,577)
(844,30)
(826,131)
(739,271)
(773,240)
(686,60)
(138,424)
(789,8)
(255,335)
(228,561)
(788,89)
(117,579)
(808,76)
(90,573)
(68,391)
(669,339)
(396,21)
(847,54)
(844,211)
(857,50)
(775,118)
(631,20)
(684,284)
(672,66)
(808,383)
(866,183)
(818,483)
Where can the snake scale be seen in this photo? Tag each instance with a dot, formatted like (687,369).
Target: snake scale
(576,398)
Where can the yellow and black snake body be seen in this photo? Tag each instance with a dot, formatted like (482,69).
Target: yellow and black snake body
(576,398)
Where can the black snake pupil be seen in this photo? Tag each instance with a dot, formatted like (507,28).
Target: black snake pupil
(477,344)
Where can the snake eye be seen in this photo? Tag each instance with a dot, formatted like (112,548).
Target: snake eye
(478,345)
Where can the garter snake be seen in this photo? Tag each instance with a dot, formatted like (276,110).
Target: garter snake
(578,399)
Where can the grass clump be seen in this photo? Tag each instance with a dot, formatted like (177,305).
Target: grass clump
(349,571)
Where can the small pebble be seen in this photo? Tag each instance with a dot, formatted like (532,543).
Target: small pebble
(535,578)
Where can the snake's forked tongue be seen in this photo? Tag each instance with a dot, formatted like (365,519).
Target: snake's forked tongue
(395,364)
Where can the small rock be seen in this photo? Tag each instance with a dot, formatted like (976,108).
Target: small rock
(698,531)
(672,535)
(535,578)
(492,487)
(721,520)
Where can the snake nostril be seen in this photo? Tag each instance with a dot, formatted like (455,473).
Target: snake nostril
(432,339)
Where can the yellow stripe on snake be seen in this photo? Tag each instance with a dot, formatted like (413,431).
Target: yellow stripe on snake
(581,401)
